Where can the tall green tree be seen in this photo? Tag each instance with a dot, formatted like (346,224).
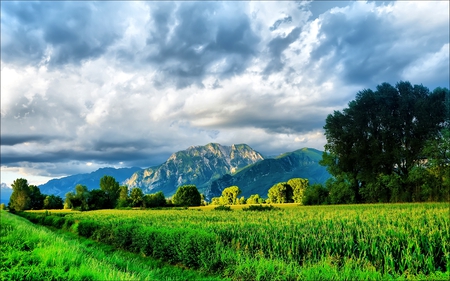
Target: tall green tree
(53,202)
(136,197)
(36,198)
(281,193)
(123,200)
(20,198)
(230,195)
(112,190)
(299,186)
(382,133)
(154,200)
(187,195)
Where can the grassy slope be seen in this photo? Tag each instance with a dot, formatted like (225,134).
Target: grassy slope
(31,252)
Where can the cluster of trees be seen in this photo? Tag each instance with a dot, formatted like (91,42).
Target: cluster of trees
(292,191)
(389,145)
(29,197)
(111,195)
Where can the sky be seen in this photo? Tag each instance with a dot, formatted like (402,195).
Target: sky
(87,84)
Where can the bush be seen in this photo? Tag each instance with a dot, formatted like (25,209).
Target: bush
(223,208)
(261,208)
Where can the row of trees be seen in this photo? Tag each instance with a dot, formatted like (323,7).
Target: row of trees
(29,197)
(111,195)
(292,191)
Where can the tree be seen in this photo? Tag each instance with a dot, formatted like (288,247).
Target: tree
(136,197)
(187,195)
(123,197)
(299,186)
(112,190)
(20,198)
(382,133)
(230,195)
(154,200)
(97,200)
(280,193)
(315,194)
(79,200)
(255,199)
(53,202)
(36,198)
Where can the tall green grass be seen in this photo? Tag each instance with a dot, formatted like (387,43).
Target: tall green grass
(353,242)
(30,252)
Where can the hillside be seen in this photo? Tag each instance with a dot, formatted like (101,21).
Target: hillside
(198,165)
(92,180)
(260,177)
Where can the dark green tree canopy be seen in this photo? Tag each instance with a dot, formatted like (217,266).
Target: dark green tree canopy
(20,198)
(187,195)
(112,190)
(382,132)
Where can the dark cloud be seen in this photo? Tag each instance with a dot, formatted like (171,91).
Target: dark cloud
(365,49)
(187,39)
(10,140)
(59,32)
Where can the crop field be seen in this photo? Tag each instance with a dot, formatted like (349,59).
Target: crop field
(343,242)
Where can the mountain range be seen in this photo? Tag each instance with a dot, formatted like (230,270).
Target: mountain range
(211,168)
(63,185)
(258,178)
(198,165)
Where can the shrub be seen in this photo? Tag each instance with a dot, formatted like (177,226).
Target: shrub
(223,208)
(261,208)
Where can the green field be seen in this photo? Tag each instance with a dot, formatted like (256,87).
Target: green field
(341,242)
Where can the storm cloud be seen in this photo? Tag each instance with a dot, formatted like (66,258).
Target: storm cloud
(93,84)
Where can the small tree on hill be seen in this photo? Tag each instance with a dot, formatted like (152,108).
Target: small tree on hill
(187,195)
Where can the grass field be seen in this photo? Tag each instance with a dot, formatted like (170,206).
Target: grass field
(31,252)
(347,242)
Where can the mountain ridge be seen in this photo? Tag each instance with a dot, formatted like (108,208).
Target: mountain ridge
(197,165)
(258,178)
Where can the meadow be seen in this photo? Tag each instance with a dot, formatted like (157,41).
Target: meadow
(335,242)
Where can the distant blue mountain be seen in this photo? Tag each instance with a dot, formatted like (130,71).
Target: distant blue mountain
(5,193)
(61,186)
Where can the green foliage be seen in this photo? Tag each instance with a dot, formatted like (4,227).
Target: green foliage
(315,194)
(97,200)
(112,190)
(281,193)
(20,198)
(255,199)
(123,200)
(2,206)
(187,195)
(155,200)
(298,186)
(36,198)
(230,195)
(136,197)
(382,133)
(53,202)
(223,208)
